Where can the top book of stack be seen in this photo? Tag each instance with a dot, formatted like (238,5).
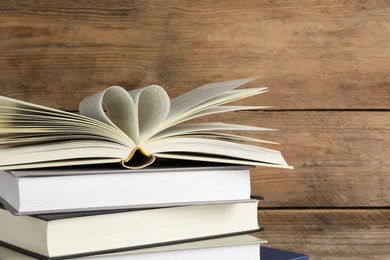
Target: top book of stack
(132,128)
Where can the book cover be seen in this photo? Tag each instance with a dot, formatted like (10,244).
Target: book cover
(268,253)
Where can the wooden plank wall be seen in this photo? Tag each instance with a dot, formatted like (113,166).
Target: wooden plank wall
(326,64)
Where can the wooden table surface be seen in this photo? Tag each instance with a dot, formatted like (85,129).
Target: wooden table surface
(326,63)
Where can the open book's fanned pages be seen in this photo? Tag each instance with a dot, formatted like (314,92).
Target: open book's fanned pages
(133,128)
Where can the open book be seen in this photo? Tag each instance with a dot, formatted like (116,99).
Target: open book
(132,128)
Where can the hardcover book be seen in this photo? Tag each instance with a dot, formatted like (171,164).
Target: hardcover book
(243,247)
(68,235)
(49,190)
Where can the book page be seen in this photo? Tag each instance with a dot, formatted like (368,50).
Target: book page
(37,136)
(215,148)
(62,151)
(227,97)
(184,129)
(201,94)
(215,159)
(113,106)
(15,109)
(222,98)
(19,124)
(6,102)
(215,110)
(227,136)
(152,107)
(60,163)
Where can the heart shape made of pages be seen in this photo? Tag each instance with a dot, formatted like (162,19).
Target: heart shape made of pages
(137,113)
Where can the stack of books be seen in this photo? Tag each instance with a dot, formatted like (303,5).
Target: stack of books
(75,212)
(107,183)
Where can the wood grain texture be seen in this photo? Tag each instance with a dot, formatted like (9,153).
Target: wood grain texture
(55,52)
(329,234)
(341,159)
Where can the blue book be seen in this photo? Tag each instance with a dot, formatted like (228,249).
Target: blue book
(267,253)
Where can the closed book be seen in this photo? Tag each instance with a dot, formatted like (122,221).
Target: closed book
(268,253)
(87,188)
(69,235)
(243,247)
